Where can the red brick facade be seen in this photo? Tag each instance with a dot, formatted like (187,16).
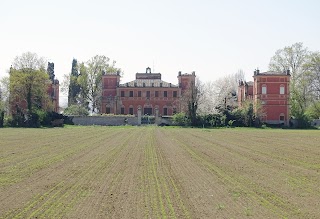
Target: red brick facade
(271,89)
(245,92)
(148,92)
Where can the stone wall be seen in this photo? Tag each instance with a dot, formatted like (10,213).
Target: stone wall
(104,120)
(118,120)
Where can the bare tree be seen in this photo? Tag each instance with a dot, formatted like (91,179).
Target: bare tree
(206,103)
(290,58)
(226,88)
(294,58)
(312,68)
(29,61)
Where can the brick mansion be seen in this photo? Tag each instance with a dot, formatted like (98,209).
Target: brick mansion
(272,91)
(148,92)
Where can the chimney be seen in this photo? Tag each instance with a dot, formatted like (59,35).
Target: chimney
(179,73)
(258,71)
(288,72)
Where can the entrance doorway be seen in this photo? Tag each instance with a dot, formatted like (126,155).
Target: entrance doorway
(147,111)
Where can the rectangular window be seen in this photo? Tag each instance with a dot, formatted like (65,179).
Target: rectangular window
(148,94)
(281,90)
(53,93)
(175,93)
(165,94)
(156,93)
(165,111)
(131,111)
(131,93)
(122,93)
(264,90)
(139,93)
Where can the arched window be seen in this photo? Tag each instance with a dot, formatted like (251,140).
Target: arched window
(122,110)
(282,89)
(264,89)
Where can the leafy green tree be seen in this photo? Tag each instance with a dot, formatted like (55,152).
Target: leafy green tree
(90,79)
(29,81)
(4,94)
(250,114)
(313,111)
(84,83)
(84,87)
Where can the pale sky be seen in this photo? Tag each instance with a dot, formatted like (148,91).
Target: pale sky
(212,38)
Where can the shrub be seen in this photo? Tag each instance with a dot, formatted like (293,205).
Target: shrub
(181,119)
(303,122)
(75,110)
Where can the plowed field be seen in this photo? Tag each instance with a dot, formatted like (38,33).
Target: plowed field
(159,172)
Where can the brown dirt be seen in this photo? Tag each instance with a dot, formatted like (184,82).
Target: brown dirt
(151,172)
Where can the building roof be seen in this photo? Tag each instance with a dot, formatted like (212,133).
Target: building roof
(249,83)
(148,76)
(246,83)
(148,79)
(274,73)
(147,83)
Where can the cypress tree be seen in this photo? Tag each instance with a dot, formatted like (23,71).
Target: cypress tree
(74,87)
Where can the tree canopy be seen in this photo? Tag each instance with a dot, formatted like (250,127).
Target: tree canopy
(294,58)
(29,81)
(85,81)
